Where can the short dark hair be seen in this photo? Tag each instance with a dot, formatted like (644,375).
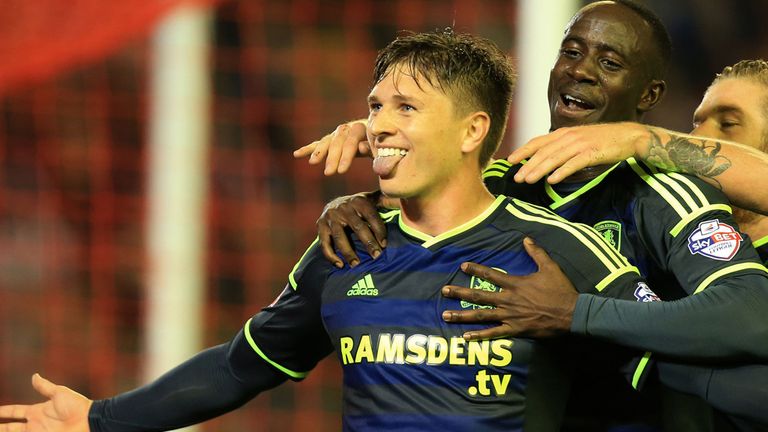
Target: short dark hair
(470,69)
(658,32)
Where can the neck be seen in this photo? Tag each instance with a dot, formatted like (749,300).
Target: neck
(459,201)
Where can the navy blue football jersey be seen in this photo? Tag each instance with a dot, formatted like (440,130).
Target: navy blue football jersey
(404,367)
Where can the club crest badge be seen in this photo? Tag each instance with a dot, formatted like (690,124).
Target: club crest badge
(481,284)
(644,293)
(610,231)
(715,240)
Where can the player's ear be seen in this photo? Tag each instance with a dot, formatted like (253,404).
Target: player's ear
(653,94)
(477,126)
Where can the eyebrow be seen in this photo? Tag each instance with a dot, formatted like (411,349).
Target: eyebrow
(601,46)
(398,98)
(720,109)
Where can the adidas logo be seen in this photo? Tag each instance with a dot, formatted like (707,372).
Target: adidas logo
(363,287)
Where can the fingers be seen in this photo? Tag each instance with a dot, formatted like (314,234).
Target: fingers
(538,254)
(305,151)
(343,244)
(370,214)
(500,279)
(500,331)
(43,386)
(335,149)
(13,413)
(326,244)
(482,315)
(476,296)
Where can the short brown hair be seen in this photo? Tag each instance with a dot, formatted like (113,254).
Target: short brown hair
(472,70)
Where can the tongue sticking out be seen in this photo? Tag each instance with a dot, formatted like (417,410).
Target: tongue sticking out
(384,165)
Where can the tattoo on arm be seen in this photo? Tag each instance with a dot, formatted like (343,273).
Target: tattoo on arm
(691,155)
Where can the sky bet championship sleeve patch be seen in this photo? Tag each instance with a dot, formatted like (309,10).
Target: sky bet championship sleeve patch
(644,293)
(715,240)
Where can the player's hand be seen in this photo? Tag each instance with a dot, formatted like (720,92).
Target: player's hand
(570,149)
(338,148)
(359,213)
(536,305)
(64,411)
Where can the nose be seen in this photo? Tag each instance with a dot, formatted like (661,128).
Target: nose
(582,70)
(380,124)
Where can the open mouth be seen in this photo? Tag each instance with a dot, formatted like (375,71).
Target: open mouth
(575,103)
(387,159)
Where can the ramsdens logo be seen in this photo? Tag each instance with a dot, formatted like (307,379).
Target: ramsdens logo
(363,287)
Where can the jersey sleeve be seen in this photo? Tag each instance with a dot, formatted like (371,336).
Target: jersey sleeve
(724,322)
(688,225)
(740,391)
(289,334)
(592,265)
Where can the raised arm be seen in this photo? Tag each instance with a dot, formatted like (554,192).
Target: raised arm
(734,168)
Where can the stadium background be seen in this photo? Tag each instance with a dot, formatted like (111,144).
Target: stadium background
(73,165)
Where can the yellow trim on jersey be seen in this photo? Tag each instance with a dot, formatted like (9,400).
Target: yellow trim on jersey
(675,185)
(760,242)
(587,230)
(658,187)
(252,343)
(640,369)
(291,279)
(728,270)
(689,183)
(388,215)
(558,201)
(615,275)
(430,240)
(601,250)
(695,214)
(497,168)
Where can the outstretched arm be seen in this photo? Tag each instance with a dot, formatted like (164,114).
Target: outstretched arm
(731,167)
(338,148)
(64,410)
(213,382)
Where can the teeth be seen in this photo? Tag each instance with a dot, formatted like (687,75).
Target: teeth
(570,99)
(388,151)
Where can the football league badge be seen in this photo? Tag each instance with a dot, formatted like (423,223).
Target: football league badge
(481,284)
(715,240)
(611,232)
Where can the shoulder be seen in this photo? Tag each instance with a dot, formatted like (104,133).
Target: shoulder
(576,247)
(674,198)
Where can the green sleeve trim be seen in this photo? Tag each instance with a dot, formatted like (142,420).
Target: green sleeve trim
(658,187)
(290,373)
(728,270)
(640,370)
(291,278)
(760,242)
(695,214)
(497,168)
(613,276)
